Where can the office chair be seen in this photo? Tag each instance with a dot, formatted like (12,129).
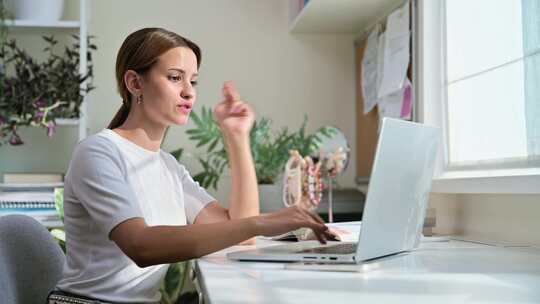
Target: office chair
(30,260)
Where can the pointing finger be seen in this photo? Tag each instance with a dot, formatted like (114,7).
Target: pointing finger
(230,92)
(319,233)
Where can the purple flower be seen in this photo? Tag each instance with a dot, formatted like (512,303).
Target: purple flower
(39,103)
(51,129)
(15,140)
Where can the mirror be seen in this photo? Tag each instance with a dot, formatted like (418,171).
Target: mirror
(333,157)
(331,144)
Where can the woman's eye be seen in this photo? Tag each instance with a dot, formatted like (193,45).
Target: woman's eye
(175,78)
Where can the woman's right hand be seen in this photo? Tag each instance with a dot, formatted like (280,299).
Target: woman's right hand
(289,219)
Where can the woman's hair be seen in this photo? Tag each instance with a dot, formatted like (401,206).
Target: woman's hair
(139,52)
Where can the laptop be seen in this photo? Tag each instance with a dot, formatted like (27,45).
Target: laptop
(395,206)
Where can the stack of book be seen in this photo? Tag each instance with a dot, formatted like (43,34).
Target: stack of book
(31,194)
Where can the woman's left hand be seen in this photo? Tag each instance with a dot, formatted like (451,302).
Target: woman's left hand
(234,116)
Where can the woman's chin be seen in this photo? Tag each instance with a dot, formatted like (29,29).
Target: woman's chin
(180,121)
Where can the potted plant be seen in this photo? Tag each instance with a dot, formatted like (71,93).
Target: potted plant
(50,10)
(37,93)
(270,152)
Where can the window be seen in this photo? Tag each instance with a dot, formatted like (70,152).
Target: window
(478,78)
(491,77)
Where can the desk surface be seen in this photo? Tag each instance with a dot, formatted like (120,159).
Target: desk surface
(438,272)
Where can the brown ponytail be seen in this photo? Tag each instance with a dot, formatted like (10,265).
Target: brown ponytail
(119,117)
(139,52)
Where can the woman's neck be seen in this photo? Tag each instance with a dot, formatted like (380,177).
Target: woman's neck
(142,132)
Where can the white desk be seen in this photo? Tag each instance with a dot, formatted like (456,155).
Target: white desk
(445,272)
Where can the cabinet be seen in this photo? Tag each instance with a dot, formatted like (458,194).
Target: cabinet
(348,205)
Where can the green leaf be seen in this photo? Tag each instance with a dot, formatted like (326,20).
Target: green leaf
(203,141)
(193,131)
(177,153)
(213,145)
(196,118)
(59,202)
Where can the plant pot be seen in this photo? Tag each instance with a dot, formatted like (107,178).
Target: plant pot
(270,197)
(49,10)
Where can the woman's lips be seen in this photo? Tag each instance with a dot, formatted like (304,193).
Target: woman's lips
(185,108)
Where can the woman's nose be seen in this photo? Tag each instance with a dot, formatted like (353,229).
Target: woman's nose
(188,91)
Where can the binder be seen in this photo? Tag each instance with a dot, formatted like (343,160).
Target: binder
(37,204)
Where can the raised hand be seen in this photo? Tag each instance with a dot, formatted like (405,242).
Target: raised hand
(234,116)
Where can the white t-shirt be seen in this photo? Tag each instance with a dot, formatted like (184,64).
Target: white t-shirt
(111,179)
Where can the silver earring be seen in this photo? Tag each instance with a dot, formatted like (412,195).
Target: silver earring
(139,99)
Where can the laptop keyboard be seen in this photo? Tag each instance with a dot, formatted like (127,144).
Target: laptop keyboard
(345,248)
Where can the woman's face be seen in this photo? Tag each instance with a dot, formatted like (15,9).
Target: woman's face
(169,87)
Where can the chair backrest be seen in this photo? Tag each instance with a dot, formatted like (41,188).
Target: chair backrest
(31,261)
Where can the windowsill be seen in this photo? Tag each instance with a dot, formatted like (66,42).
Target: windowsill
(516,181)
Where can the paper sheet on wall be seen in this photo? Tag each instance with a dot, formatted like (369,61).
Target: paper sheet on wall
(390,105)
(396,51)
(369,70)
(397,104)
(380,60)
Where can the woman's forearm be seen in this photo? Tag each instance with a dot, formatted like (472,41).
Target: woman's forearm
(244,197)
(152,245)
(168,244)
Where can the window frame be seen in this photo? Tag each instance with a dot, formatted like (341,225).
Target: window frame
(430,85)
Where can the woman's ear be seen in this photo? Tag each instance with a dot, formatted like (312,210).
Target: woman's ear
(133,82)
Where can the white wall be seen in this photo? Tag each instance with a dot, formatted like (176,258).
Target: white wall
(513,218)
(282,75)
(501,217)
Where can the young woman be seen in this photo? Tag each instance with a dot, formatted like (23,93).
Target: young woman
(130,208)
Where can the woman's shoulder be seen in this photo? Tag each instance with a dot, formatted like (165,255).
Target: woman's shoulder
(96,141)
(96,144)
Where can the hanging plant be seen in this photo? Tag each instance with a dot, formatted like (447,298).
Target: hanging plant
(37,93)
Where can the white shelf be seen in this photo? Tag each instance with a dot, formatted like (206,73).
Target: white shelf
(47,187)
(343,16)
(69,24)
(67,121)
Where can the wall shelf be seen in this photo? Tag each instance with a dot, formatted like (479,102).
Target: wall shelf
(67,122)
(68,24)
(343,16)
(48,216)
(79,26)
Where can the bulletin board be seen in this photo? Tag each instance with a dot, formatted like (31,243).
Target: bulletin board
(367,124)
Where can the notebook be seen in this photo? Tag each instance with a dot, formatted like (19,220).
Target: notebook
(395,206)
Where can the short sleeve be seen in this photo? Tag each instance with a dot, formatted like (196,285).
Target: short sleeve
(195,196)
(97,179)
